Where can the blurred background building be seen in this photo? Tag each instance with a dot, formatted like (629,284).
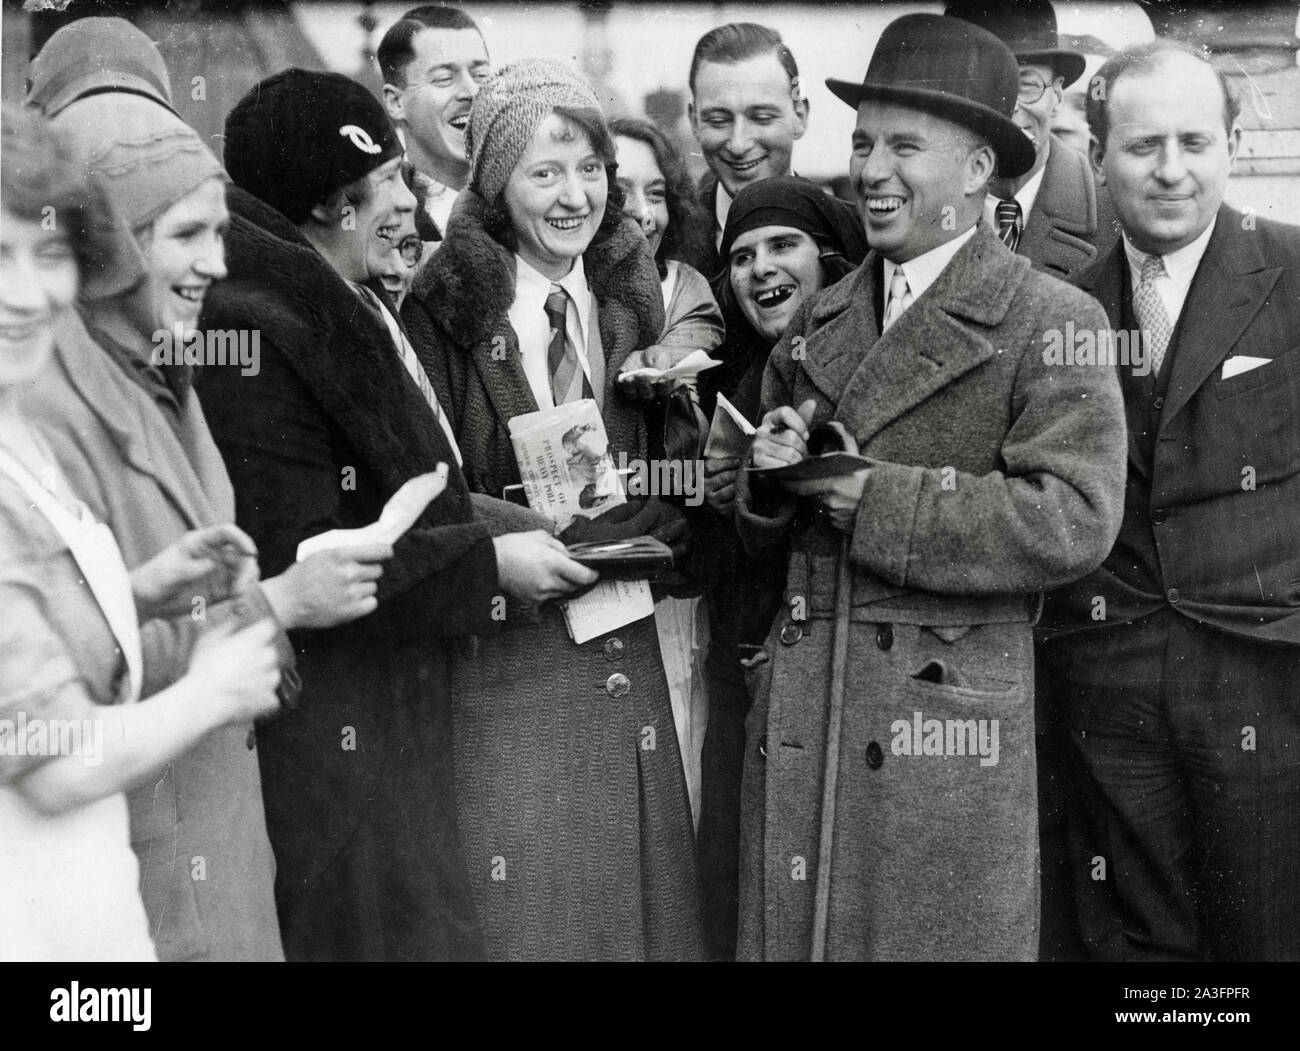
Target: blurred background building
(638,55)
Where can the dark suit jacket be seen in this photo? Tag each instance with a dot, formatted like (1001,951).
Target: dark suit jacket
(1225,478)
(1072,222)
(706,260)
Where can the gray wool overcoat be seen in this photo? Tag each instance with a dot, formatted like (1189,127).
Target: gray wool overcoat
(994,475)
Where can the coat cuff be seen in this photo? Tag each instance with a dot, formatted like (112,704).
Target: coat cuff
(886,519)
(762,517)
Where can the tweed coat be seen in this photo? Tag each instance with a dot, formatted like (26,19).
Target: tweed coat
(1071,223)
(357,779)
(150,485)
(993,476)
(573,802)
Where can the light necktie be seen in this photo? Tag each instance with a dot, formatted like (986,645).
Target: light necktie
(900,298)
(568,381)
(411,362)
(1008,217)
(1152,316)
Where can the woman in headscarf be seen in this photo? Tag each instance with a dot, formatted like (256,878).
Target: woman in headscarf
(784,241)
(573,804)
(72,666)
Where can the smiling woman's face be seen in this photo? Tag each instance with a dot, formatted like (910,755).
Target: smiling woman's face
(38,282)
(773,270)
(556,196)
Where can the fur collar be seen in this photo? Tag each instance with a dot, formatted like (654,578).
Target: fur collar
(469,283)
(280,285)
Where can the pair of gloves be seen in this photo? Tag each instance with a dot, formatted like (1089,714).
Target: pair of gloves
(641,517)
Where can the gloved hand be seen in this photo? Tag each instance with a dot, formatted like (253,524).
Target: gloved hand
(638,517)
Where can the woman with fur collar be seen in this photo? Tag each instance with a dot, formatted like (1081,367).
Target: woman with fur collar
(572,799)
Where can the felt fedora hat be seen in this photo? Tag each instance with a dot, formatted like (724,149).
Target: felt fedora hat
(954,70)
(1028,27)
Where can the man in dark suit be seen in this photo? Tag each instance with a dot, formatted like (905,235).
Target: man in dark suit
(1052,213)
(1177,662)
(746,110)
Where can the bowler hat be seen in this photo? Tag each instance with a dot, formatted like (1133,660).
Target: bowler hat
(954,70)
(1028,27)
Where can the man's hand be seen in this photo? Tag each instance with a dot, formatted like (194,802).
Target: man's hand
(839,497)
(783,436)
(213,563)
(720,482)
(534,567)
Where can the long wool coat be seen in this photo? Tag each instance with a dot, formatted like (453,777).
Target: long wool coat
(994,475)
(358,783)
(1072,222)
(573,803)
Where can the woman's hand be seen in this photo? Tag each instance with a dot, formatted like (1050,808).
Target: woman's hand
(328,588)
(720,482)
(214,563)
(650,388)
(783,436)
(239,671)
(535,568)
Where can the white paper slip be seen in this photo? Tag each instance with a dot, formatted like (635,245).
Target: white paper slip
(1239,363)
(688,368)
(611,604)
(729,433)
(399,514)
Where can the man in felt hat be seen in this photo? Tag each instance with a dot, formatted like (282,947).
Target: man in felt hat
(988,474)
(1051,213)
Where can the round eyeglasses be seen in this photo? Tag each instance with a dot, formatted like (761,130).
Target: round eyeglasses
(1032,88)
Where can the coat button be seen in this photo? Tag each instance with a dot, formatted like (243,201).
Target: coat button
(1172,595)
(791,633)
(885,636)
(614,649)
(1158,404)
(762,746)
(874,756)
(1159,515)
(618,684)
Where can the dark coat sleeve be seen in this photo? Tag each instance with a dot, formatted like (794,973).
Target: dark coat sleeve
(295,477)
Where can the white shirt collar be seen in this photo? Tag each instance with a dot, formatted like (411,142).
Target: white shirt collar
(1180,266)
(721,209)
(925,269)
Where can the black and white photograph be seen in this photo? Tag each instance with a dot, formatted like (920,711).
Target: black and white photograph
(630,482)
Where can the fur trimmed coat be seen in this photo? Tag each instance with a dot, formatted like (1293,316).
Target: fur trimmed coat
(573,803)
(358,783)
(994,475)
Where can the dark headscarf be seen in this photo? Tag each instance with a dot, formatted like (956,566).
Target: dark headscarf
(791,201)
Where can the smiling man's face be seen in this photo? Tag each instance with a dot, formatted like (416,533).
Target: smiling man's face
(1167,155)
(746,118)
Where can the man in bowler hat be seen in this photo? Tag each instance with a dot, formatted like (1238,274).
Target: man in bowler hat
(1053,213)
(988,475)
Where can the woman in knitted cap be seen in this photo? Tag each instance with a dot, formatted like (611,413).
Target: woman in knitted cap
(70,643)
(573,804)
(132,435)
(784,241)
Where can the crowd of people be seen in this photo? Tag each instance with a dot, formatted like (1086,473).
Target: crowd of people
(976,644)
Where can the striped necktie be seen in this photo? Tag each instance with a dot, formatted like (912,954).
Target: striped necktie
(1007,214)
(1149,307)
(568,381)
(900,298)
(411,362)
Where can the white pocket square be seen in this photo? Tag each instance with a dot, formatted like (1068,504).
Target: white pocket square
(1240,363)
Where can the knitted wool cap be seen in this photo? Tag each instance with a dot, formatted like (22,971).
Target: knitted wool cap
(299,136)
(509,109)
(140,160)
(94,55)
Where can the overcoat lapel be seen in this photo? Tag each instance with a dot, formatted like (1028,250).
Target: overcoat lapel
(930,346)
